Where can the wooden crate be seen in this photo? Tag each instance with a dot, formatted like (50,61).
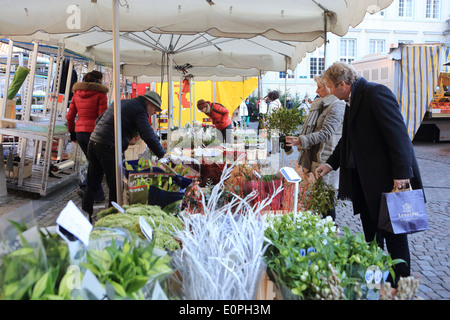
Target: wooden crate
(266,289)
(14,174)
(10,113)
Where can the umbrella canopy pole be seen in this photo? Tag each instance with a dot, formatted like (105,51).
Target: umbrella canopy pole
(326,39)
(193,99)
(191,105)
(169,108)
(117,104)
(179,100)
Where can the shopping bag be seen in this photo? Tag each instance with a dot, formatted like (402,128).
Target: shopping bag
(403,212)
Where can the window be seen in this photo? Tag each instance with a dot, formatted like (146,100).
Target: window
(348,50)
(316,66)
(405,8)
(290,74)
(432,9)
(376,46)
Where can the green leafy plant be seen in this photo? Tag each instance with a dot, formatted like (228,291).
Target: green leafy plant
(128,268)
(36,273)
(322,197)
(307,251)
(286,121)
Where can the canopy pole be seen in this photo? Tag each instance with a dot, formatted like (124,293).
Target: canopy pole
(191,105)
(117,102)
(285,80)
(325,24)
(259,85)
(169,108)
(179,100)
(193,99)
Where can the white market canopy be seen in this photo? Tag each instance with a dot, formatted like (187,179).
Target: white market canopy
(288,20)
(199,50)
(293,21)
(234,34)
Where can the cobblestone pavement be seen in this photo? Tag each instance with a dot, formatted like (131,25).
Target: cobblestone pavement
(430,256)
(430,260)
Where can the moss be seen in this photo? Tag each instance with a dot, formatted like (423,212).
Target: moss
(161,222)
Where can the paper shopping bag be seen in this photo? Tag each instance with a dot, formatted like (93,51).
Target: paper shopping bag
(403,212)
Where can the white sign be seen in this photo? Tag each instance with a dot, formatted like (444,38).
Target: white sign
(290,174)
(74,221)
(116,205)
(146,229)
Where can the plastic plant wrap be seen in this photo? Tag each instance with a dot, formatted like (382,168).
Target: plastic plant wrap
(222,249)
(127,266)
(309,259)
(33,263)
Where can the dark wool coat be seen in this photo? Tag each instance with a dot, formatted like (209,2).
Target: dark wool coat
(375,142)
(88,102)
(135,120)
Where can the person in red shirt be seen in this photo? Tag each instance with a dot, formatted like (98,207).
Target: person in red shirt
(219,116)
(88,102)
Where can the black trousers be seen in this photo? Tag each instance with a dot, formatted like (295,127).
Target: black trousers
(83,142)
(396,244)
(102,161)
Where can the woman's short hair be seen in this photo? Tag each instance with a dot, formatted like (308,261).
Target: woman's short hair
(340,71)
(320,79)
(93,76)
(273,95)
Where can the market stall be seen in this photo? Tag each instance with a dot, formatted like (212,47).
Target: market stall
(229,232)
(35,140)
(229,246)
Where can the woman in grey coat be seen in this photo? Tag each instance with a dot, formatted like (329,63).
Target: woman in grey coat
(320,132)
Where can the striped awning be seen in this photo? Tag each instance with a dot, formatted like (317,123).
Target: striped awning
(419,69)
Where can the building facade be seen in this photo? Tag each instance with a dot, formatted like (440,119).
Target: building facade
(404,21)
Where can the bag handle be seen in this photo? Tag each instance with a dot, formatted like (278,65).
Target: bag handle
(395,189)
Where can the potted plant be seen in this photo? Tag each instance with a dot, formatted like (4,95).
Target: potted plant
(286,121)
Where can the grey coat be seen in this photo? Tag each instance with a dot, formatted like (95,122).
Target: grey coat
(322,135)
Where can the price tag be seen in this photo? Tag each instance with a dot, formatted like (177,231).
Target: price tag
(290,174)
(146,229)
(115,205)
(74,221)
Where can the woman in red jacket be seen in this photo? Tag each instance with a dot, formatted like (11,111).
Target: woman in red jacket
(219,116)
(88,102)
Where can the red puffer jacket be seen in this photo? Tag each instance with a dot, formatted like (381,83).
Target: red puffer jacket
(89,101)
(219,116)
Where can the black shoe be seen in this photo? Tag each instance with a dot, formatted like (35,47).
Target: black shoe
(80,193)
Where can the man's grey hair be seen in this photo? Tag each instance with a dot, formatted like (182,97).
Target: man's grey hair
(340,71)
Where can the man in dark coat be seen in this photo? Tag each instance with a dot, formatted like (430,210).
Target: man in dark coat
(374,155)
(101,149)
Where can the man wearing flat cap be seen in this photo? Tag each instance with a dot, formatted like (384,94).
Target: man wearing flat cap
(101,149)
(219,116)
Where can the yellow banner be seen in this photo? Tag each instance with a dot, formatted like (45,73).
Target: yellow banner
(228,93)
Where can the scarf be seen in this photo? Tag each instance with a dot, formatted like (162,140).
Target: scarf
(306,155)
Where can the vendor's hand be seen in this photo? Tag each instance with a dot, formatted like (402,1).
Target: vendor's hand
(322,170)
(401,184)
(292,141)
